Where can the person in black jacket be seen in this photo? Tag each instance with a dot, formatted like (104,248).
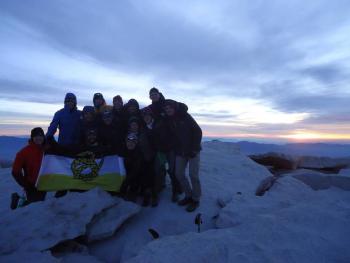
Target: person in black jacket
(187,136)
(110,136)
(158,135)
(138,173)
(88,121)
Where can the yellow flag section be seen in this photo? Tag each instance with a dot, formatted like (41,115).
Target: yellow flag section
(82,173)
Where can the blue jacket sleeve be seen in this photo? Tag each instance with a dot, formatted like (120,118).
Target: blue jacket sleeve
(53,125)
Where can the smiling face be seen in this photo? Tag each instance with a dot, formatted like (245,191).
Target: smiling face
(70,104)
(154,96)
(170,111)
(38,139)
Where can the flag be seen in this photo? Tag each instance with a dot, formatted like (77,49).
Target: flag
(81,173)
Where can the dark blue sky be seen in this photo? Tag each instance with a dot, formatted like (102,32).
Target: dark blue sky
(247,69)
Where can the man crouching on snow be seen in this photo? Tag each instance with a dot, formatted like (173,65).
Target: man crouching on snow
(187,136)
(27,164)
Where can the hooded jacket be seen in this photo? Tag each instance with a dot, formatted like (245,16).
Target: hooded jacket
(29,160)
(67,121)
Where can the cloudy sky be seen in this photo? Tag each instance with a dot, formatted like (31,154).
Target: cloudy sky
(258,70)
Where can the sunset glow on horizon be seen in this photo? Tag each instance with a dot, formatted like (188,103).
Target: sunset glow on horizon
(260,71)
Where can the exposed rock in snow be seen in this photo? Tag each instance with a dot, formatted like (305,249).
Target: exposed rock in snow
(289,162)
(311,162)
(265,185)
(277,160)
(106,223)
(42,225)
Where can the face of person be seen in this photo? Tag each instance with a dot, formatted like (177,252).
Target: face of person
(132,109)
(154,96)
(69,104)
(117,104)
(147,119)
(98,101)
(107,120)
(134,127)
(88,116)
(91,138)
(169,110)
(131,144)
(38,139)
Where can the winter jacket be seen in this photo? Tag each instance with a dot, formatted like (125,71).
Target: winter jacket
(29,160)
(68,123)
(158,135)
(112,137)
(84,127)
(186,135)
(158,107)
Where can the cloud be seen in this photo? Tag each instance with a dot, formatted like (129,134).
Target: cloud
(244,63)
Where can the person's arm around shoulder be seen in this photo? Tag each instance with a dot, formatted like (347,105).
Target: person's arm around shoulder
(51,130)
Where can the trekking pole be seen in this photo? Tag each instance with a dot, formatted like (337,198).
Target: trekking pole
(198,221)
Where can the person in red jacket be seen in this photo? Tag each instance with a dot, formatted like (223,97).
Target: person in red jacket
(25,169)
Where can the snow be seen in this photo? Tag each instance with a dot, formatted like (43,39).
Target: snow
(291,222)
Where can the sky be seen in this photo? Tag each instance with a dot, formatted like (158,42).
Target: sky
(250,70)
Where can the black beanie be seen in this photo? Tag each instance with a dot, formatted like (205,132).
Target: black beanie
(36,131)
(153,90)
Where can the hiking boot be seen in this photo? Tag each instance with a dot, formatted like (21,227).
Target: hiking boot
(192,206)
(185,201)
(14,200)
(154,201)
(174,197)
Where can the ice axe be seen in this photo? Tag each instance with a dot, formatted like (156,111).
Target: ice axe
(198,221)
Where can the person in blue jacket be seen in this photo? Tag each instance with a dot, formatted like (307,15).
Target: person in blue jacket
(67,120)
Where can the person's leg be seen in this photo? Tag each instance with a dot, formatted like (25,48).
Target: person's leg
(194,176)
(33,195)
(175,184)
(180,169)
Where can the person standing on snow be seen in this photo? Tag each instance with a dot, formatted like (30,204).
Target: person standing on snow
(187,136)
(67,120)
(26,167)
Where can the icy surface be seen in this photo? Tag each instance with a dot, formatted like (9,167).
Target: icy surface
(291,222)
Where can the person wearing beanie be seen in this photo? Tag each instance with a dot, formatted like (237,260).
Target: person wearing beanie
(67,121)
(88,121)
(99,102)
(25,169)
(186,136)
(119,118)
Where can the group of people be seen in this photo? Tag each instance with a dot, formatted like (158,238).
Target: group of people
(153,141)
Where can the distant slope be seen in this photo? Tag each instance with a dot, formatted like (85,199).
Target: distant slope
(9,146)
(312,149)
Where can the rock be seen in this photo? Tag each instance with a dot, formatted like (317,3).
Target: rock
(265,185)
(277,160)
(106,223)
(42,225)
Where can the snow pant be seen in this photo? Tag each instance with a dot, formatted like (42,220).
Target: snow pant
(193,192)
(34,195)
(159,172)
(175,184)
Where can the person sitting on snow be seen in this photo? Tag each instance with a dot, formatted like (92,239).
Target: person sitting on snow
(138,178)
(187,136)
(25,169)
(67,120)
